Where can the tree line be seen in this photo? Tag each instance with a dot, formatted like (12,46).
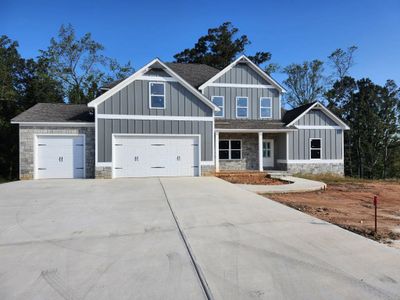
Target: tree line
(72,69)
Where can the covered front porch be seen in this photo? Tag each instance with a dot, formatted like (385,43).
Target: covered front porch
(256,145)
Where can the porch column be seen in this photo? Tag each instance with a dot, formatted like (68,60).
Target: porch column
(216,151)
(260,152)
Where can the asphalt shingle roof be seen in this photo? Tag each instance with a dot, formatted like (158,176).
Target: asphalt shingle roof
(56,112)
(250,124)
(194,74)
(292,114)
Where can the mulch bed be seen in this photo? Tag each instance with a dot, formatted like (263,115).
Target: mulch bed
(249,178)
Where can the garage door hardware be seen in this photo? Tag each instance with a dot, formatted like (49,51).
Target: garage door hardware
(178,158)
(136,158)
(42,145)
(158,167)
(158,144)
(118,168)
(41,169)
(60,159)
(117,144)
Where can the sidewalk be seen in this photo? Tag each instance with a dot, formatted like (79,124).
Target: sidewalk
(295,185)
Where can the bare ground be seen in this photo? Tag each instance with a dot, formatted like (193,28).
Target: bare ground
(349,204)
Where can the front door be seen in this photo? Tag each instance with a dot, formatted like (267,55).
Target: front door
(268,153)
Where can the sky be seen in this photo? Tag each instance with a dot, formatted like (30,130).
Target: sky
(293,31)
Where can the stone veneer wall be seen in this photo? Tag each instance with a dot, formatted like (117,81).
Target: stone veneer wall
(103,173)
(26,147)
(319,168)
(207,170)
(249,159)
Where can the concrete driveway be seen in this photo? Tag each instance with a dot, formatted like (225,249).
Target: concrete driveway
(178,238)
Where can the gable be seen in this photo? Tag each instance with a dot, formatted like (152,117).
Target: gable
(242,74)
(315,117)
(133,99)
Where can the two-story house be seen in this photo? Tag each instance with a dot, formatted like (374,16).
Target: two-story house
(170,119)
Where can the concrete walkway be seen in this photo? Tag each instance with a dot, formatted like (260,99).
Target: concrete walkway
(295,185)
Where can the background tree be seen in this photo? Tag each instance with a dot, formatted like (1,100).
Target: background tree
(220,47)
(306,82)
(79,65)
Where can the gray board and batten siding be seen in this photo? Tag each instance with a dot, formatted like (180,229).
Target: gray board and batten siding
(243,74)
(331,139)
(134,100)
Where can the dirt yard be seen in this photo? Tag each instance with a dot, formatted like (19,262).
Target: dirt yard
(349,204)
(248,178)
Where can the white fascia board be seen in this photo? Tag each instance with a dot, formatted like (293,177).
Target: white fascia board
(139,74)
(317,127)
(341,124)
(66,124)
(154,117)
(253,130)
(253,65)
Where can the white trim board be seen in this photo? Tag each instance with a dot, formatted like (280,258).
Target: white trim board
(66,124)
(252,65)
(318,127)
(154,117)
(325,110)
(140,73)
(253,130)
(307,161)
(240,85)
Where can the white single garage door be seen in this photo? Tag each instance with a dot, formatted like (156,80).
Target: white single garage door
(143,156)
(60,156)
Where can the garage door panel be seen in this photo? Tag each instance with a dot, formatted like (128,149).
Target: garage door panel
(156,156)
(60,157)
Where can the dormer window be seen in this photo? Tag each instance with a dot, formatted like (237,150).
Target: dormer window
(157,95)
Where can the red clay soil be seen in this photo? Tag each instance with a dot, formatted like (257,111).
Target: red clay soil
(350,205)
(249,178)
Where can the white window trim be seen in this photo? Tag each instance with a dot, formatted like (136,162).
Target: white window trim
(270,107)
(247,107)
(320,148)
(150,94)
(229,149)
(223,106)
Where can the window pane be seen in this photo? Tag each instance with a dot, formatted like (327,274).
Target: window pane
(242,102)
(265,112)
(265,102)
(235,154)
(223,154)
(315,143)
(157,88)
(315,154)
(157,101)
(223,144)
(217,101)
(236,145)
(242,112)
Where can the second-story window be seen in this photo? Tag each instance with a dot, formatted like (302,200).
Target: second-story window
(242,107)
(157,95)
(265,107)
(218,101)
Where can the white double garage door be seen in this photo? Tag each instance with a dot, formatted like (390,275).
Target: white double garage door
(155,155)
